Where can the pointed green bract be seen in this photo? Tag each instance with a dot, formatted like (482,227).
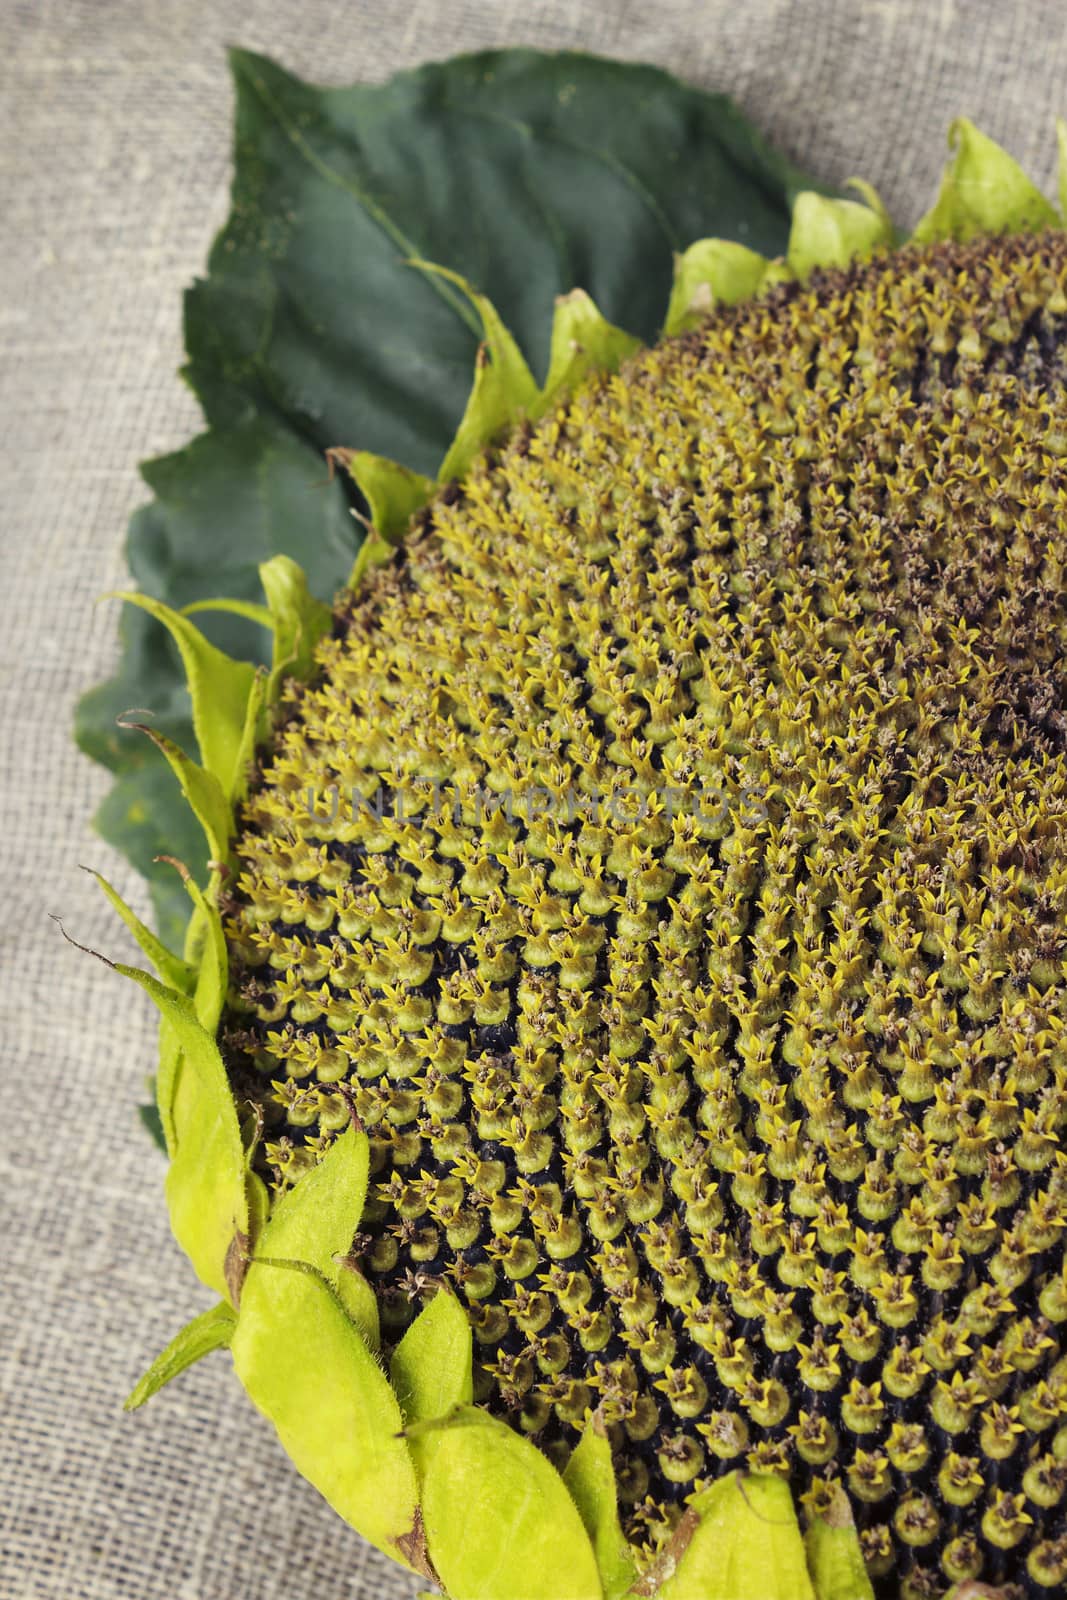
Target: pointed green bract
(499,1522)
(212,1330)
(208,956)
(298,621)
(745,1544)
(869,194)
(258,1210)
(831,233)
(294,618)
(170,1056)
(308,1369)
(202,791)
(712,272)
(583,341)
(251,610)
(360,1302)
(213,976)
(835,1559)
(262,695)
(393,492)
(431,1366)
(205,1183)
(504,389)
(316,1220)
(590,1479)
(311,1227)
(1061,166)
(209,966)
(218,687)
(373,552)
(206,1180)
(173,971)
(983,190)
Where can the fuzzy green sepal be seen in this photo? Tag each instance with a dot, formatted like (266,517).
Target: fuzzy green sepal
(207,1181)
(164,1080)
(296,620)
(983,190)
(498,1519)
(307,1367)
(203,981)
(590,1479)
(431,1367)
(203,793)
(306,1364)
(583,342)
(824,233)
(503,394)
(739,1539)
(393,494)
(504,389)
(208,943)
(213,1330)
(831,233)
(205,944)
(315,1221)
(219,688)
(835,1559)
(712,272)
(361,1304)
(172,970)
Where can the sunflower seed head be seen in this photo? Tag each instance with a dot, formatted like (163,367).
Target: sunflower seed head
(669,864)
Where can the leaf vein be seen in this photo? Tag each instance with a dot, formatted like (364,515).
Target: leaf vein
(377,213)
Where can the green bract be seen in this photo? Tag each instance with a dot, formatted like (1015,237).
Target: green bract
(393,1438)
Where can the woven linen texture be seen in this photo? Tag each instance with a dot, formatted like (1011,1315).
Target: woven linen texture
(114,169)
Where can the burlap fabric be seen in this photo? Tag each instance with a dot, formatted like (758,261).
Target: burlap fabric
(113,177)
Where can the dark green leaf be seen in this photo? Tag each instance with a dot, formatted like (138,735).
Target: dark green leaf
(530,175)
(153,1123)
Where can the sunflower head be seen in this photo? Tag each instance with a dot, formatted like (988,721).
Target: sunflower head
(616,1078)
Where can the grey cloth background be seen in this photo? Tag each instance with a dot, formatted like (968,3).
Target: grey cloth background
(114,168)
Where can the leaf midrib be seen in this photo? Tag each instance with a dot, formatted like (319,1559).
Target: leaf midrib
(376,212)
(526,131)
